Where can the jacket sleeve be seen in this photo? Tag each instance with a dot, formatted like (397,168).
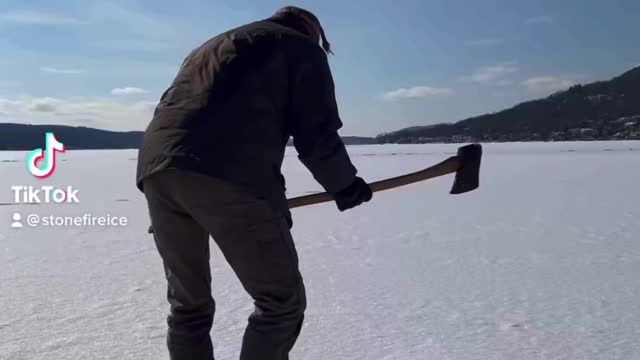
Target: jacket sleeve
(314,123)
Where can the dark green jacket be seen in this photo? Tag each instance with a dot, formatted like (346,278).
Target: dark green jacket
(234,104)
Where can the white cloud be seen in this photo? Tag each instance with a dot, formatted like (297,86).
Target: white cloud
(135,31)
(417,92)
(128,91)
(485,42)
(135,23)
(133,44)
(36,18)
(493,75)
(113,26)
(45,105)
(537,20)
(99,112)
(53,70)
(546,84)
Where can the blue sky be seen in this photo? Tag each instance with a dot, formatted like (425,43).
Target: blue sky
(398,63)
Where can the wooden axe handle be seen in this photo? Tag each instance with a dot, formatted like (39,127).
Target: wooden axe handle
(448,166)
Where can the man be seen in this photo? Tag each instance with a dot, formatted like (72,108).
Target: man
(210,164)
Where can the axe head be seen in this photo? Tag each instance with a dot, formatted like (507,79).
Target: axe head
(468,174)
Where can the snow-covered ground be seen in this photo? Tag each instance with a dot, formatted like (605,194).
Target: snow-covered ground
(541,262)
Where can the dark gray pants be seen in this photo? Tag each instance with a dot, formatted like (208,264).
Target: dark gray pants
(186,208)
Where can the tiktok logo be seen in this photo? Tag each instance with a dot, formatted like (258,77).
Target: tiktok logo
(49,156)
(24,194)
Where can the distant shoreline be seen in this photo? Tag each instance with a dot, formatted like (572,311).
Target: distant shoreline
(598,111)
(385,144)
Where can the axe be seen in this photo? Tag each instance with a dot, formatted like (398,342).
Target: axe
(466,166)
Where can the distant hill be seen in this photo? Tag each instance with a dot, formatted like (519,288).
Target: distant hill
(351,140)
(359,140)
(29,137)
(607,110)
(599,110)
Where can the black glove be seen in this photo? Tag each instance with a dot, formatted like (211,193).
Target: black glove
(355,194)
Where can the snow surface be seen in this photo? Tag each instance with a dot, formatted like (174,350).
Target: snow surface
(541,262)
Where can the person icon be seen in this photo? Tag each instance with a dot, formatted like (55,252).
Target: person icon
(16,221)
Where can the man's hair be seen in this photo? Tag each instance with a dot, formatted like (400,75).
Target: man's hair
(302,20)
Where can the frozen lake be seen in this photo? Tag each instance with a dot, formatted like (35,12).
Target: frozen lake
(541,262)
